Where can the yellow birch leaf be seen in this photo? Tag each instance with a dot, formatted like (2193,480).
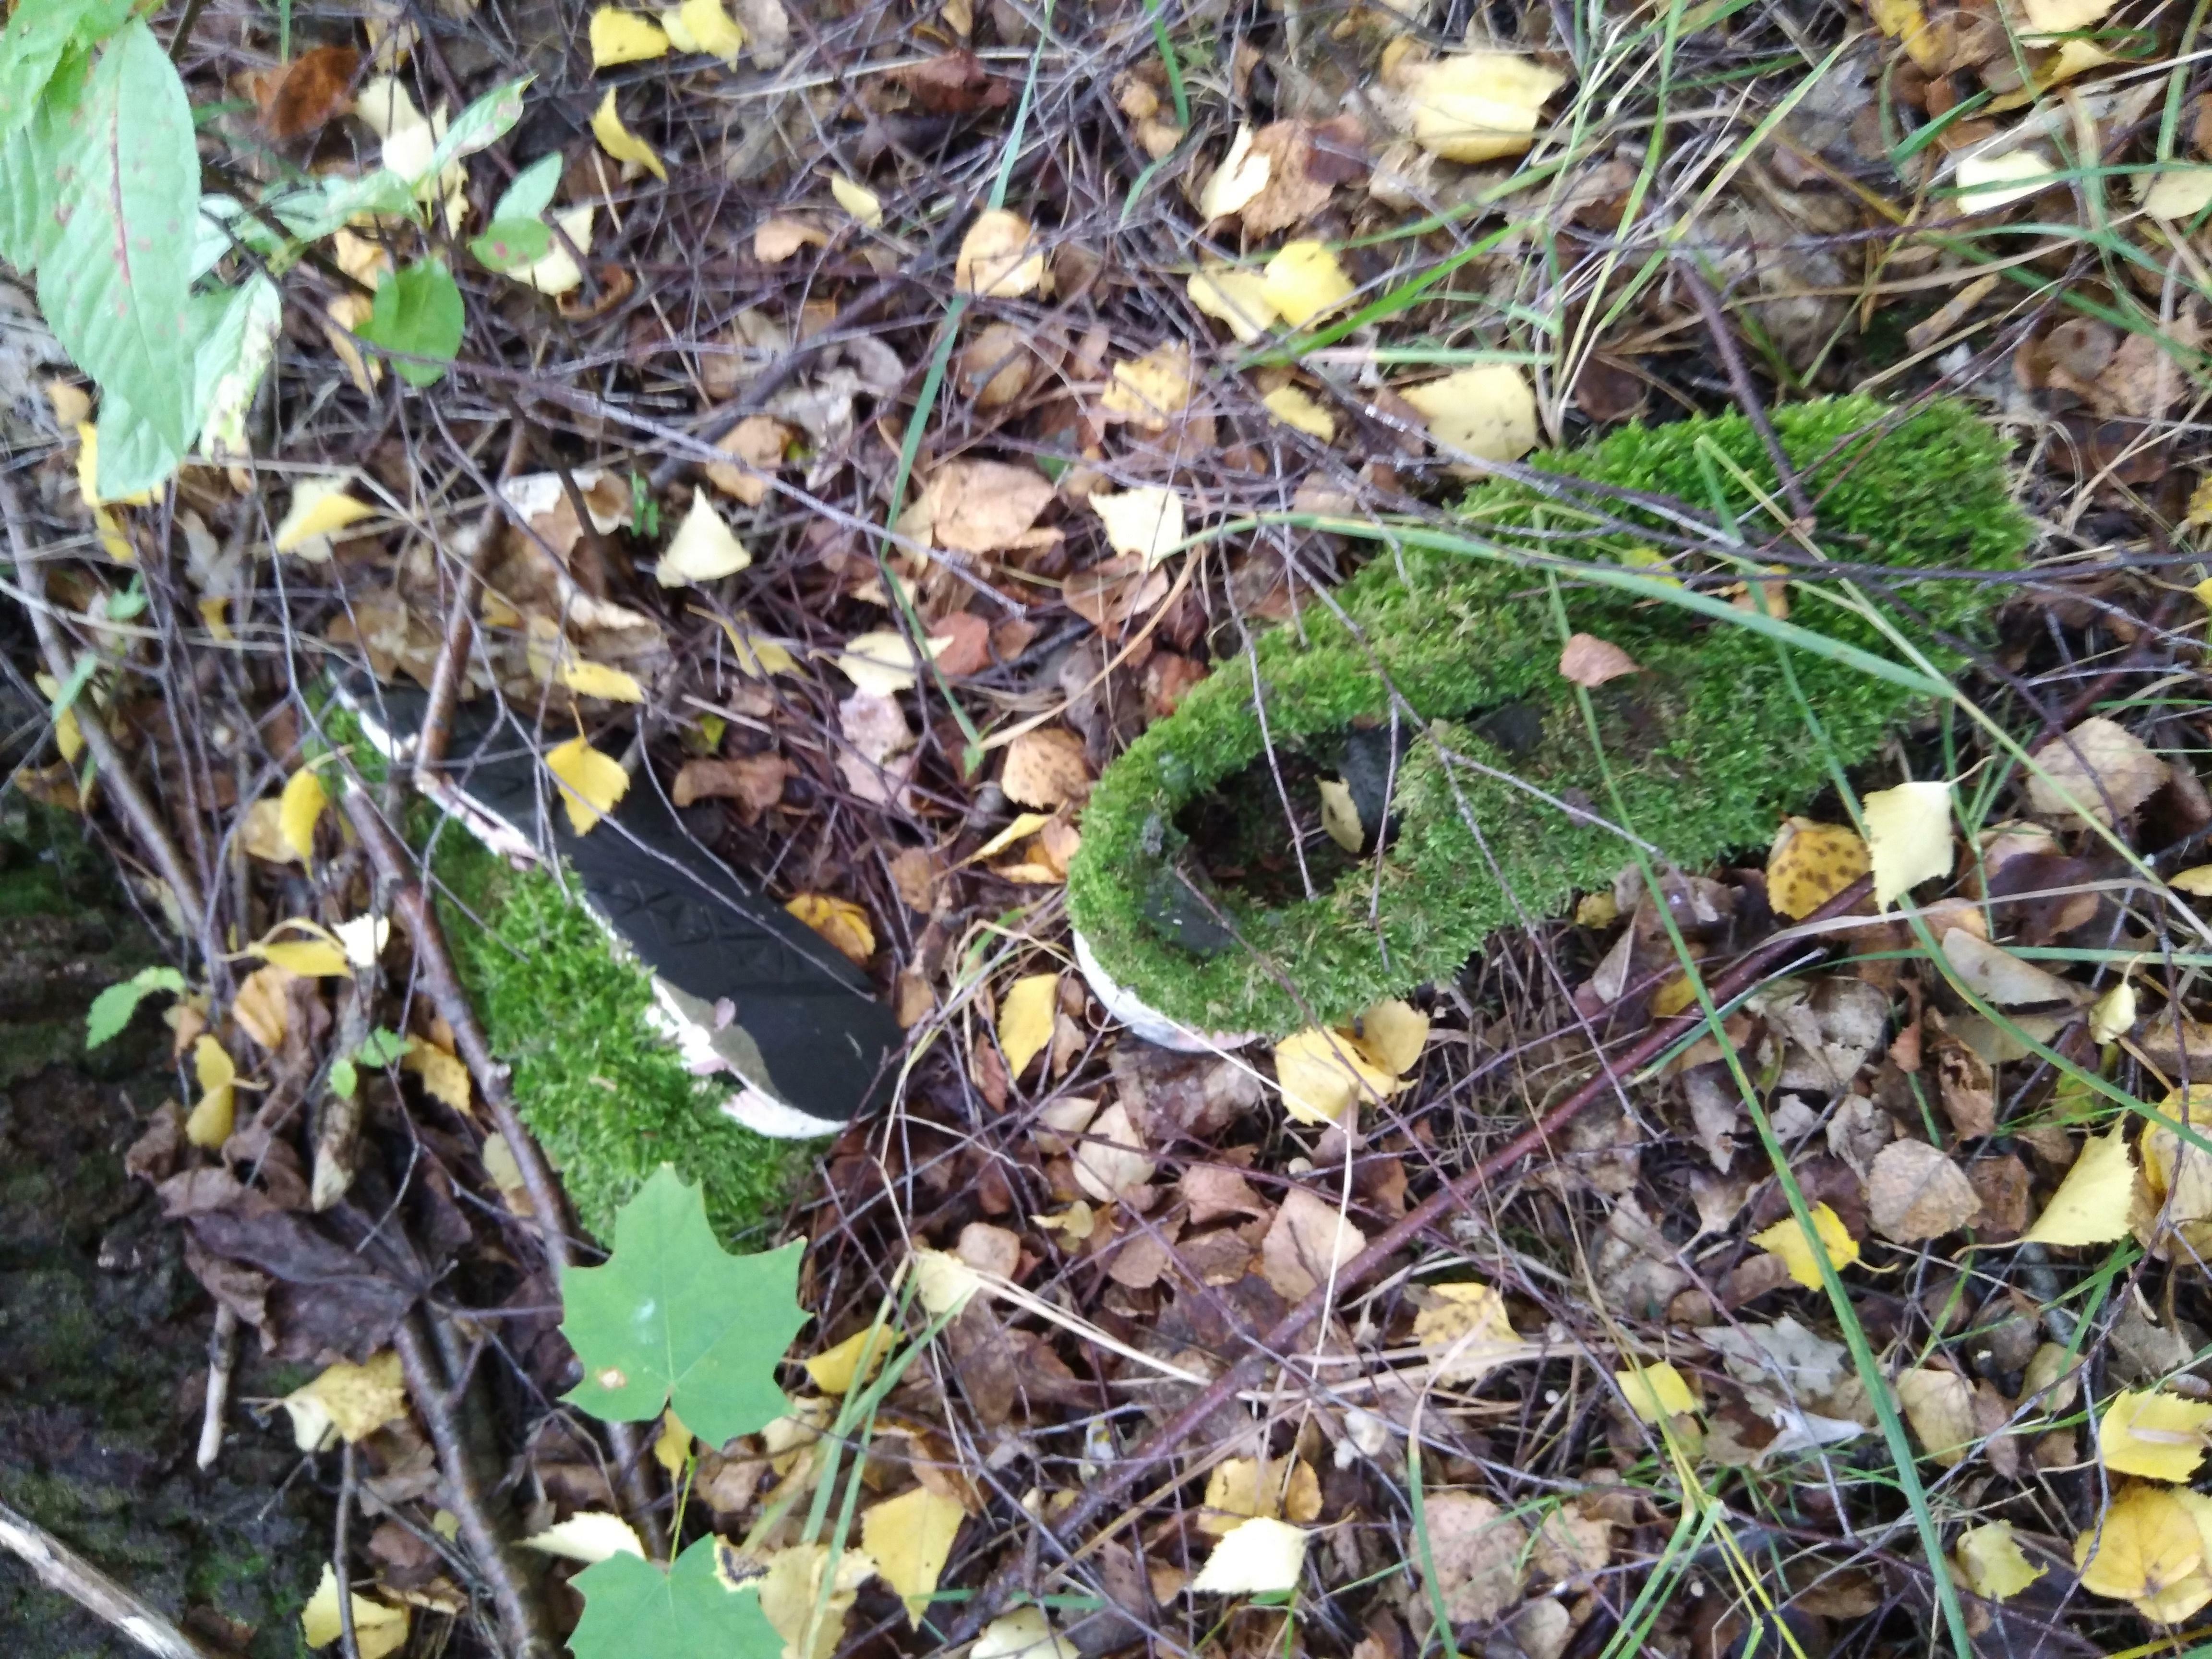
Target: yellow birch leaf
(350,1402)
(2112,1015)
(841,922)
(1024,823)
(1146,522)
(591,1535)
(703,549)
(310,958)
(557,273)
(856,199)
(1239,1489)
(909,1538)
(812,1626)
(1903,20)
(1025,1018)
(1295,409)
(758,658)
(1994,1566)
(1940,1406)
(1655,1393)
(1786,1239)
(378,1628)
(2091,1205)
(591,781)
(69,736)
(297,811)
(1262,1557)
(444,1074)
(2145,1543)
(87,472)
(1305,280)
(1394,1032)
(1324,1074)
(597,680)
(209,1124)
(2156,1435)
(1153,389)
(1810,863)
(836,1369)
(623,37)
(671,1447)
(1908,837)
(1239,298)
(711,30)
(996,259)
(319,508)
(619,141)
(1243,175)
(2197,880)
(1479,106)
(881,661)
(261,1006)
(1340,815)
(1488,411)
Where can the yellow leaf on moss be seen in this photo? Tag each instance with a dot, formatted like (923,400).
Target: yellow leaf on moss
(1025,1018)
(1295,409)
(209,1124)
(841,922)
(836,1369)
(1325,1075)
(1394,1032)
(2146,1543)
(623,37)
(1810,863)
(1908,837)
(297,811)
(1488,411)
(592,783)
(1340,815)
(2156,1435)
(619,141)
(909,1538)
(2091,1205)
(1655,1393)
(1305,280)
(1994,1566)
(1788,1239)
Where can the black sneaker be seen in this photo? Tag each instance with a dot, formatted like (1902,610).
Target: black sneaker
(739,984)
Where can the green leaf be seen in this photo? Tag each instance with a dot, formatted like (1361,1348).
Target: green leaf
(483,122)
(345,1079)
(231,359)
(418,310)
(633,1607)
(674,1316)
(114,284)
(132,455)
(32,44)
(532,193)
(380,1048)
(510,244)
(111,1009)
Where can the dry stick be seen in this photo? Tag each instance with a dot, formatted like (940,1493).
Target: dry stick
(341,1573)
(136,811)
(60,1568)
(434,966)
(521,1614)
(1247,1371)
(223,1358)
(451,669)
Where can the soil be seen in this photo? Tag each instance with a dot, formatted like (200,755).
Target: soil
(103,1333)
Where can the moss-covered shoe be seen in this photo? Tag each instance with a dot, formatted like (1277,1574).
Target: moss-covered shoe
(1495,802)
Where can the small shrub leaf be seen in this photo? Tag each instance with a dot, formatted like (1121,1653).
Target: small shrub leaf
(111,1009)
(418,311)
(632,1606)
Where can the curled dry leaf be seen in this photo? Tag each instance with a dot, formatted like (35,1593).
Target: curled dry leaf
(1239,1488)
(702,26)
(1488,411)
(2001,977)
(856,199)
(1587,660)
(1914,1192)
(996,365)
(588,1535)
(346,1402)
(998,259)
(320,508)
(1469,1330)
(780,236)
(756,445)
(881,662)
(379,1628)
(2098,770)
(841,922)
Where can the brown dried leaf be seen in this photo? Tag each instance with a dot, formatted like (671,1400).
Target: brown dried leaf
(756,445)
(1915,1192)
(1478,1554)
(312,89)
(1307,1241)
(2104,768)
(1591,661)
(1969,1089)
(754,782)
(1046,768)
(984,507)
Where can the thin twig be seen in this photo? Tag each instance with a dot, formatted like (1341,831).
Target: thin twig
(222,1359)
(62,1569)
(340,1571)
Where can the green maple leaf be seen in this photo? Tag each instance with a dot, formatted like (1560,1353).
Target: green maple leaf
(632,1606)
(673,1317)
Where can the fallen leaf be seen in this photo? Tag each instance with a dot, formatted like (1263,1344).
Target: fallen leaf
(2177,194)
(1904,22)
(2091,1205)
(1025,1633)
(620,143)
(1323,1075)
(444,1075)
(1025,1019)
(703,549)
(836,1369)
(2001,976)
(779,236)
(1993,1563)
(1110,1159)
(1260,1556)
(361,938)
(881,662)
(1914,1192)
(2147,1542)
(623,37)
(1908,838)
(984,507)
(318,510)
(841,922)
(998,257)
(1810,863)
(209,1124)
(1940,1406)
(597,679)
(2063,16)
(1479,106)
(997,365)
(1392,1033)
(1801,1254)
(1340,815)
(1469,1329)
(1305,1245)
(1151,390)
(346,1402)
(1239,1488)
(1046,767)
(943,1282)
(1987,182)
(309,92)
(1237,297)
(856,199)
(1146,522)
(299,809)
(1590,661)
(1305,280)
(1488,411)
(2154,1434)
(1478,1553)
(379,1628)
(1295,409)
(1241,177)
(706,28)
(588,1535)
(2112,1015)
(557,273)
(591,781)
(1657,1393)
(757,443)
(791,1597)
(909,1538)
(261,1006)
(2098,770)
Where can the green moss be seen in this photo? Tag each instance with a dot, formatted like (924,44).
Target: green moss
(608,1098)
(1706,748)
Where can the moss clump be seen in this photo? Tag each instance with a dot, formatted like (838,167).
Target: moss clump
(1706,747)
(608,1097)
